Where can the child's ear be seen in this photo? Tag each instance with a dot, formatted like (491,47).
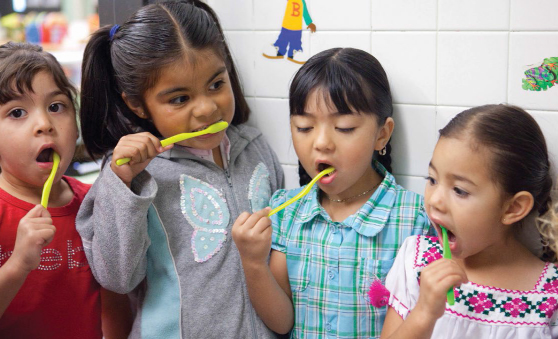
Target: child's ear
(518,207)
(135,107)
(385,133)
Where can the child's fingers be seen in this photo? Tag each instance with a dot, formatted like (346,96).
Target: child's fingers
(241,220)
(138,147)
(262,225)
(45,236)
(152,142)
(255,217)
(136,150)
(37,211)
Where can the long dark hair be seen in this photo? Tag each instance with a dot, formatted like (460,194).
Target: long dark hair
(20,62)
(519,159)
(131,60)
(354,81)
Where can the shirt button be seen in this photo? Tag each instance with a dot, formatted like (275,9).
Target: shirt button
(331,275)
(334,229)
(328,326)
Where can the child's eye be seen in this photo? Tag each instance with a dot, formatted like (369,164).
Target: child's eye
(57,107)
(17,113)
(217,85)
(460,192)
(345,130)
(431,180)
(303,129)
(180,100)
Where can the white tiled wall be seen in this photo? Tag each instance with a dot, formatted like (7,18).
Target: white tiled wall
(441,57)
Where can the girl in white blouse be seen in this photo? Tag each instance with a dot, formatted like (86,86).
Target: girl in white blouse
(489,170)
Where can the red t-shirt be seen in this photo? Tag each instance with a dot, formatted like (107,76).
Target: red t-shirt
(59,299)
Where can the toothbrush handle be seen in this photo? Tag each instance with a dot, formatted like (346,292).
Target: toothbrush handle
(447,255)
(166,142)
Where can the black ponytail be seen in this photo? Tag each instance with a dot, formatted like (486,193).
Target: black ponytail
(131,60)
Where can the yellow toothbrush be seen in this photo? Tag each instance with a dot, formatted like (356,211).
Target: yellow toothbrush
(447,255)
(216,127)
(48,184)
(301,193)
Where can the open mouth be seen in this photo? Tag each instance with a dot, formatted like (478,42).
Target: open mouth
(204,127)
(322,166)
(45,155)
(451,236)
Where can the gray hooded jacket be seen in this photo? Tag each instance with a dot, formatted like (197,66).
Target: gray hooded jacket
(168,239)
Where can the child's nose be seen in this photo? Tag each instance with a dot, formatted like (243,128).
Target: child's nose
(324,141)
(203,107)
(43,124)
(437,199)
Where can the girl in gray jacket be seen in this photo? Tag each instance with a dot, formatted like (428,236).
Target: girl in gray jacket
(159,225)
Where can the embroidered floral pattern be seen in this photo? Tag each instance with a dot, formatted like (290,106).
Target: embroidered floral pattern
(478,302)
(431,251)
(206,210)
(548,306)
(260,188)
(431,255)
(551,286)
(516,307)
(496,305)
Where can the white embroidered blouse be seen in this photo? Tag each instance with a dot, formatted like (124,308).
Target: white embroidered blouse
(479,311)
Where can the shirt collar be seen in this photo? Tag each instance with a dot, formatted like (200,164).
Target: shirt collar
(371,218)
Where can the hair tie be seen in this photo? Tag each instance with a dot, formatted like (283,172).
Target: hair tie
(113,30)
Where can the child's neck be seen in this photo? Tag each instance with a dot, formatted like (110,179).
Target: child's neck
(507,265)
(60,194)
(339,211)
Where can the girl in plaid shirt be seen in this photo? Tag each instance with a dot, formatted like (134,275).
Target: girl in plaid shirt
(327,247)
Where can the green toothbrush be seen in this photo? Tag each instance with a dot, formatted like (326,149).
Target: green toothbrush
(447,255)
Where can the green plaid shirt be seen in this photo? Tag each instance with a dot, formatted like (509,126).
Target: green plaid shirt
(332,264)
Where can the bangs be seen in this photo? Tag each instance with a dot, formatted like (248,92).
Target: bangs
(343,89)
(18,73)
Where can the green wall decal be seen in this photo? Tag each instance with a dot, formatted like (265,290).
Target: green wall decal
(542,77)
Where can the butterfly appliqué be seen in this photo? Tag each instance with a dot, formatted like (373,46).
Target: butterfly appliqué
(206,210)
(260,188)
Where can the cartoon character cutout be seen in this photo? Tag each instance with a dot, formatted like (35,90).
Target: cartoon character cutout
(289,41)
(542,77)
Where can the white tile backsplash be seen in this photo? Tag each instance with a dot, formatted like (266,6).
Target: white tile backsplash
(472,68)
(273,76)
(465,15)
(409,59)
(441,57)
(321,41)
(444,114)
(413,139)
(274,122)
(404,15)
(234,15)
(268,15)
(291,176)
(241,45)
(414,184)
(539,15)
(335,15)
(528,50)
